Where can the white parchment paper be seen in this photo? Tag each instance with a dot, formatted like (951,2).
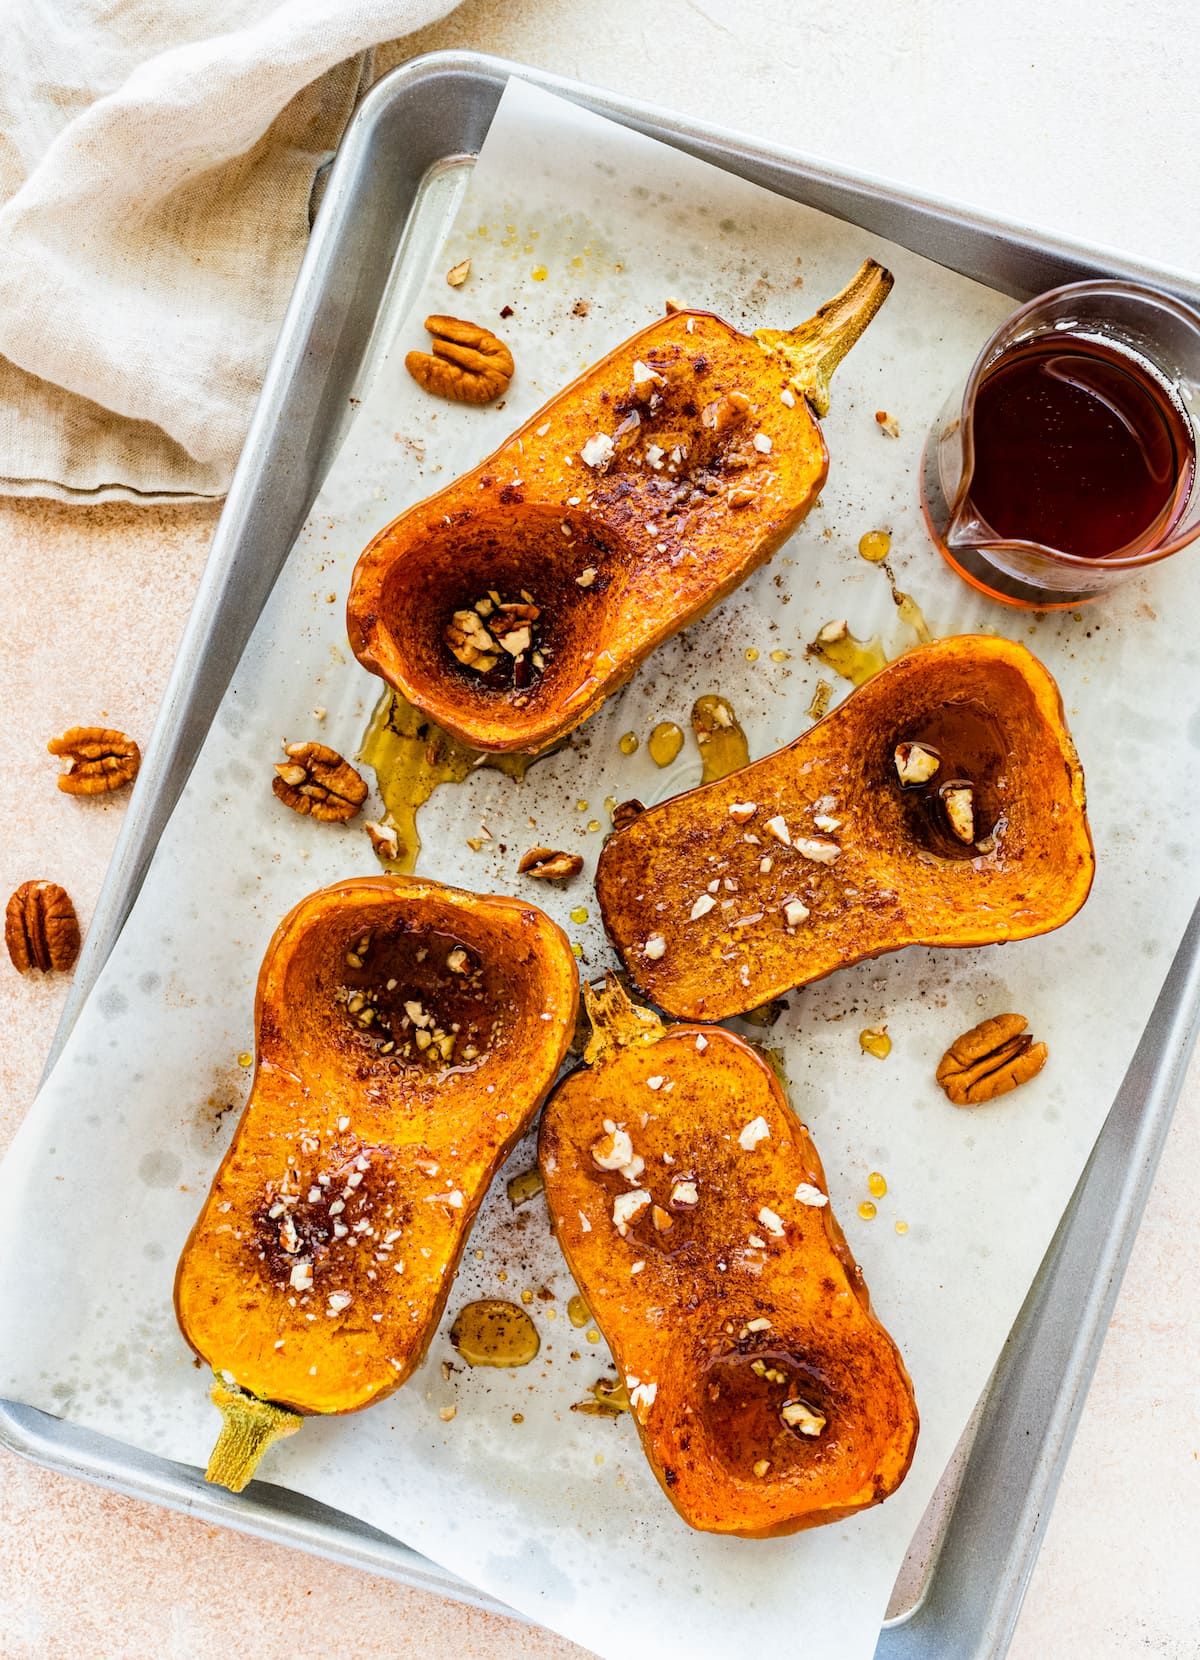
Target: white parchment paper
(584,229)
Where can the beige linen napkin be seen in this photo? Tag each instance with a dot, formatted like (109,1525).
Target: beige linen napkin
(156,164)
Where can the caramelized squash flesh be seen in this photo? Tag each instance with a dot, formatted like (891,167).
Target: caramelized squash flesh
(821,854)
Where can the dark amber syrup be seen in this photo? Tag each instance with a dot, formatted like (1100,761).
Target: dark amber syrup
(410,756)
(1079,446)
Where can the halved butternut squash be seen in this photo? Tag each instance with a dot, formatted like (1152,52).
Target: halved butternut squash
(693,1212)
(406,1035)
(847,843)
(509,605)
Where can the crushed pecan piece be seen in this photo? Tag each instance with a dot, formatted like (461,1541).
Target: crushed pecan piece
(41,929)
(624,813)
(317,781)
(989,1060)
(550,865)
(798,1415)
(471,642)
(101,759)
(959,802)
(512,626)
(492,631)
(725,412)
(384,838)
(468,364)
(916,763)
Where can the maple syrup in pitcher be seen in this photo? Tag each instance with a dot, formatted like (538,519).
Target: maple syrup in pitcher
(1080,446)
(1066,462)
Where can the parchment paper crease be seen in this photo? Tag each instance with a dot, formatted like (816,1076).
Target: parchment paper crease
(585,229)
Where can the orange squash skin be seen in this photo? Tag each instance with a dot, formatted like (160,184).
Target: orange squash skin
(888,887)
(379,1162)
(681,1322)
(533,516)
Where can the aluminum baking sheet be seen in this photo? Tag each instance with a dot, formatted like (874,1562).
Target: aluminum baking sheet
(436,76)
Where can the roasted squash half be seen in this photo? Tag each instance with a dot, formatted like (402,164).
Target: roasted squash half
(509,605)
(406,1034)
(692,1209)
(834,849)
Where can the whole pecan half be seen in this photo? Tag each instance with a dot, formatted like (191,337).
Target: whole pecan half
(989,1060)
(624,813)
(101,758)
(549,865)
(316,780)
(468,363)
(41,929)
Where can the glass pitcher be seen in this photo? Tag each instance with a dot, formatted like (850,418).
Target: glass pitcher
(1153,332)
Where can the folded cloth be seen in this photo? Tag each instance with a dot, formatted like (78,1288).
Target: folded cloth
(157,160)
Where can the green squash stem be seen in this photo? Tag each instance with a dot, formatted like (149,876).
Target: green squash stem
(249,1427)
(812,351)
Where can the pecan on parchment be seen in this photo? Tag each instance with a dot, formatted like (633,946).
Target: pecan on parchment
(989,1060)
(468,364)
(101,758)
(549,865)
(384,838)
(41,929)
(316,780)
